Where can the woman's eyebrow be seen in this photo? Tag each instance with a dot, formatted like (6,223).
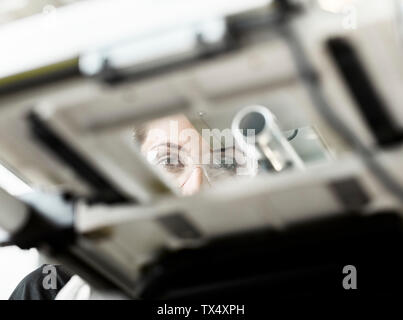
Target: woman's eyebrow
(224,149)
(169,145)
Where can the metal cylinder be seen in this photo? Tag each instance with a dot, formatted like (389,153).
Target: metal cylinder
(258,134)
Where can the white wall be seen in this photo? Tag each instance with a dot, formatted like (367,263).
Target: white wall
(15,264)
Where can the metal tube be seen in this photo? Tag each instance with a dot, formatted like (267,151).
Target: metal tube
(258,134)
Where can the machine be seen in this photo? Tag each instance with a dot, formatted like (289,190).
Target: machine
(321,185)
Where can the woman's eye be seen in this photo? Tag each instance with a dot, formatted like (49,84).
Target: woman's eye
(229,164)
(170,164)
(225,163)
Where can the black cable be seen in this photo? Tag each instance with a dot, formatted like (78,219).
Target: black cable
(293,135)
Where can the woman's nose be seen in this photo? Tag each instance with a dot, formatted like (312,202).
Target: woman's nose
(194,183)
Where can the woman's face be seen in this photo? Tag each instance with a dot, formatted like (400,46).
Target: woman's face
(174,145)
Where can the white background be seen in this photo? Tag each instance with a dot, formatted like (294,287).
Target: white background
(15,264)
